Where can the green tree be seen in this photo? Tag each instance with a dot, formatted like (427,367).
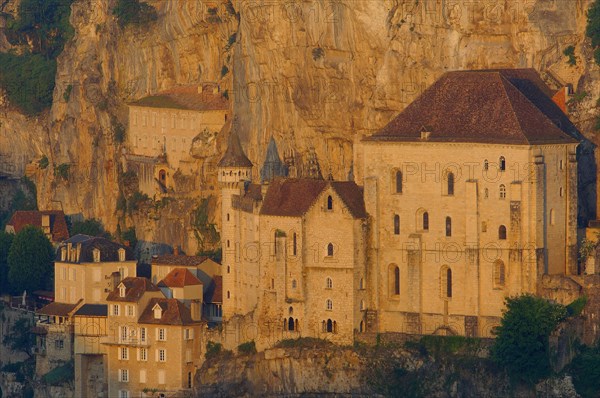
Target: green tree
(134,12)
(521,345)
(19,337)
(91,227)
(30,261)
(593,28)
(6,240)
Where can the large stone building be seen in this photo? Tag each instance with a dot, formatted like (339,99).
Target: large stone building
(470,196)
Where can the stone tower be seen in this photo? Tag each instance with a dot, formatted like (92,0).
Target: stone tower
(234,169)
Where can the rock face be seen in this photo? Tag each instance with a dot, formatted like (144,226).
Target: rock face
(315,75)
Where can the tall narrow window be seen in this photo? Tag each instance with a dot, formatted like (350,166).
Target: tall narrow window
(499,274)
(502,232)
(450,184)
(294,244)
(329,304)
(502,191)
(398,182)
(329,283)
(486,165)
(425,221)
(552,217)
(329,203)
(397,281)
(396,224)
(486,193)
(502,163)
(448,283)
(448,226)
(330,250)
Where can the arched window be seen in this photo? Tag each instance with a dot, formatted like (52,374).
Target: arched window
(486,193)
(362,327)
(445,282)
(502,191)
(561,192)
(285,324)
(291,310)
(294,284)
(228,269)
(228,294)
(329,326)
(227,242)
(448,226)
(396,224)
(329,283)
(329,304)
(397,280)
(502,232)
(486,165)
(294,244)
(552,217)
(502,163)
(361,284)
(398,181)
(227,216)
(330,250)
(291,324)
(362,305)
(450,184)
(426,221)
(329,203)
(499,274)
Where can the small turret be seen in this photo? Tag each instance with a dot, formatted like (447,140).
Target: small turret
(235,166)
(273,166)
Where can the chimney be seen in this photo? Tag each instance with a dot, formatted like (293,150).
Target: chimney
(196,310)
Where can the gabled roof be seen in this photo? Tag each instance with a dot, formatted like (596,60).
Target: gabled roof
(234,155)
(214,292)
(109,250)
(179,277)
(484,106)
(58,224)
(174,312)
(294,197)
(178,259)
(135,287)
(186,98)
(97,310)
(58,309)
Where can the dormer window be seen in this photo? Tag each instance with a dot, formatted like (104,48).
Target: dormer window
(121,254)
(96,254)
(122,290)
(157,311)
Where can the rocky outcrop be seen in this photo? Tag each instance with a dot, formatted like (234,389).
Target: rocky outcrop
(315,75)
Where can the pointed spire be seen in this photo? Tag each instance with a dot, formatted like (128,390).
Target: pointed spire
(273,166)
(234,155)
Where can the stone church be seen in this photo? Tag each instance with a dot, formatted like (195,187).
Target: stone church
(468,196)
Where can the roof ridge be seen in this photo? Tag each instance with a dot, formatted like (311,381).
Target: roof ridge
(504,80)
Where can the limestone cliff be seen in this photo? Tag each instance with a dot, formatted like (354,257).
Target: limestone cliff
(313,74)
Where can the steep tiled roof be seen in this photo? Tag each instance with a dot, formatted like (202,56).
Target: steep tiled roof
(487,106)
(186,98)
(179,277)
(109,250)
(58,309)
(135,288)
(214,292)
(58,224)
(178,259)
(174,312)
(293,197)
(234,155)
(98,310)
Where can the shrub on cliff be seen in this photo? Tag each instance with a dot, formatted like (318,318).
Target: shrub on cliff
(134,12)
(521,345)
(585,370)
(593,28)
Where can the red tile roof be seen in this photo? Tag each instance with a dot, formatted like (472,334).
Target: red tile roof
(58,309)
(294,197)
(58,224)
(186,98)
(135,287)
(178,259)
(174,312)
(486,106)
(179,277)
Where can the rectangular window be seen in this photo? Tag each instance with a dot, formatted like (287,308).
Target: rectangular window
(162,334)
(161,377)
(124,354)
(188,334)
(162,355)
(188,355)
(143,354)
(123,375)
(123,394)
(124,333)
(74,274)
(190,380)
(142,335)
(115,309)
(64,274)
(59,344)
(130,310)
(143,376)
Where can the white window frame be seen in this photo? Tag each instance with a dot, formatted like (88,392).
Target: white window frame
(124,375)
(123,353)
